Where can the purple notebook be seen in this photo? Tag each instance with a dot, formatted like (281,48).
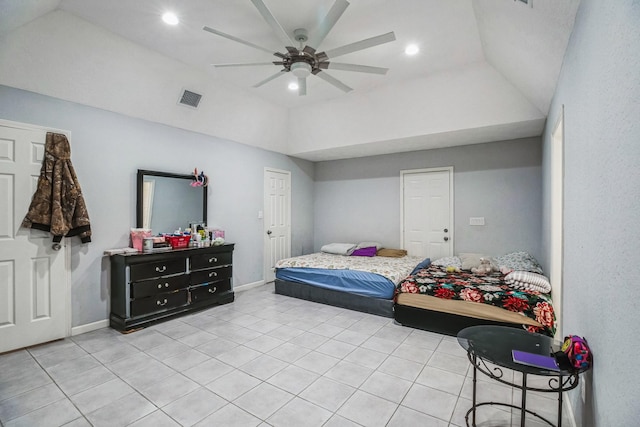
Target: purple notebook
(535,360)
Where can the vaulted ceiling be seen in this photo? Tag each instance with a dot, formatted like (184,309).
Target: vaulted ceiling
(486,69)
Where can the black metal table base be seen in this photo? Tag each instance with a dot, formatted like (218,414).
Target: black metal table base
(556,385)
(525,411)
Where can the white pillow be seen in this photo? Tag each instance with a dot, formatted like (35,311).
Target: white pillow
(519,261)
(529,281)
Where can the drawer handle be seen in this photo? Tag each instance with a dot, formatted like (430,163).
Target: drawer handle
(160,270)
(161,303)
(213,259)
(213,291)
(213,274)
(166,285)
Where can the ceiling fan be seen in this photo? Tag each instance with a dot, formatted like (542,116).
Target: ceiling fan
(306,60)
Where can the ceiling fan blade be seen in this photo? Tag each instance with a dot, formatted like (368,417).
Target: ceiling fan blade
(328,22)
(268,79)
(309,50)
(332,80)
(302,86)
(362,44)
(273,23)
(248,64)
(292,50)
(235,39)
(354,67)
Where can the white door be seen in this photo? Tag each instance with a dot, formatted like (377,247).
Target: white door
(277,219)
(34,290)
(427,212)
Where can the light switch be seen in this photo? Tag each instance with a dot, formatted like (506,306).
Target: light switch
(478,220)
(260,215)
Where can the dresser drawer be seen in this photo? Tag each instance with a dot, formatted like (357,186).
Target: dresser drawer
(209,260)
(159,285)
(158,302)
(156,269)
(201,293)
(212,275)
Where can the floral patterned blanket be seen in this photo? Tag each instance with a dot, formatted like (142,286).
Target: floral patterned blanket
(394,269)
(490,289)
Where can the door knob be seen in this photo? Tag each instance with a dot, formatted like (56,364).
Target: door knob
(269,232)
(446,230)
(446,239)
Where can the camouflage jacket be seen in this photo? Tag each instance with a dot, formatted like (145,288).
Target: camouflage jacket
(57,205)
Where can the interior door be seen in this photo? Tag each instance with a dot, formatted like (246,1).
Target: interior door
(34,290)
(427,213)
(277,219)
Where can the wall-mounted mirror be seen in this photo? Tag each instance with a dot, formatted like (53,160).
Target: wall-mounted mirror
(167,201)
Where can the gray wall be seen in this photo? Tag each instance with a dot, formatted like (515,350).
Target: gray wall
(359,199)
(600,88)
(108,148)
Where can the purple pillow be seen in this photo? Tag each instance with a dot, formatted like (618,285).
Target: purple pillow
(371,251)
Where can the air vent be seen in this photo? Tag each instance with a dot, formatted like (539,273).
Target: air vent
(190,99)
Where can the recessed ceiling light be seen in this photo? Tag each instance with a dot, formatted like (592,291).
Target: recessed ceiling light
(170,18)
(293,86)
(411,49)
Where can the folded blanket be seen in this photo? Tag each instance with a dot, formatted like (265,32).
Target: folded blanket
(339,248)
(528,281)
(370,251)
(394,253)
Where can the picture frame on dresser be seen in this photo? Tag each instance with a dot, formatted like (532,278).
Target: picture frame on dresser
(147,288)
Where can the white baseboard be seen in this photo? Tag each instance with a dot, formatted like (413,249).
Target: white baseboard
(77,330)
(248,286)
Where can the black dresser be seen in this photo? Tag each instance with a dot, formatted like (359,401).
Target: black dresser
(150,287)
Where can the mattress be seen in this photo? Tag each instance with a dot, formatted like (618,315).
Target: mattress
(355,282)
(485,297)
(375,277)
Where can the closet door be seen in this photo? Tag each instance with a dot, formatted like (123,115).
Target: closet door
(427,212)
(277,219)
(34,291)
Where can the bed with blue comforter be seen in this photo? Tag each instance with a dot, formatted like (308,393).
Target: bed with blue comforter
(363,283)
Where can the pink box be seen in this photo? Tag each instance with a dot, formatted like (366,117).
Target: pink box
(218,233)
(137,236)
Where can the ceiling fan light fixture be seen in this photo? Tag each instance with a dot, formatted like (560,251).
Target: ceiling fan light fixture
(170,18)
(412,49)
(293,86)
(300,69)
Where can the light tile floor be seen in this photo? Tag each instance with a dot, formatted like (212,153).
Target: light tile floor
(264,360)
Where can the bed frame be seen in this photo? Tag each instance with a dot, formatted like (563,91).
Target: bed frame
(440,322)
(379,306)
(413,317)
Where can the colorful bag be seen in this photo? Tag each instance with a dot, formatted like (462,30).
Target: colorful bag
(577,352)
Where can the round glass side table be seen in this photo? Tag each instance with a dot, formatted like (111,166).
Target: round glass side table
(494,344)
